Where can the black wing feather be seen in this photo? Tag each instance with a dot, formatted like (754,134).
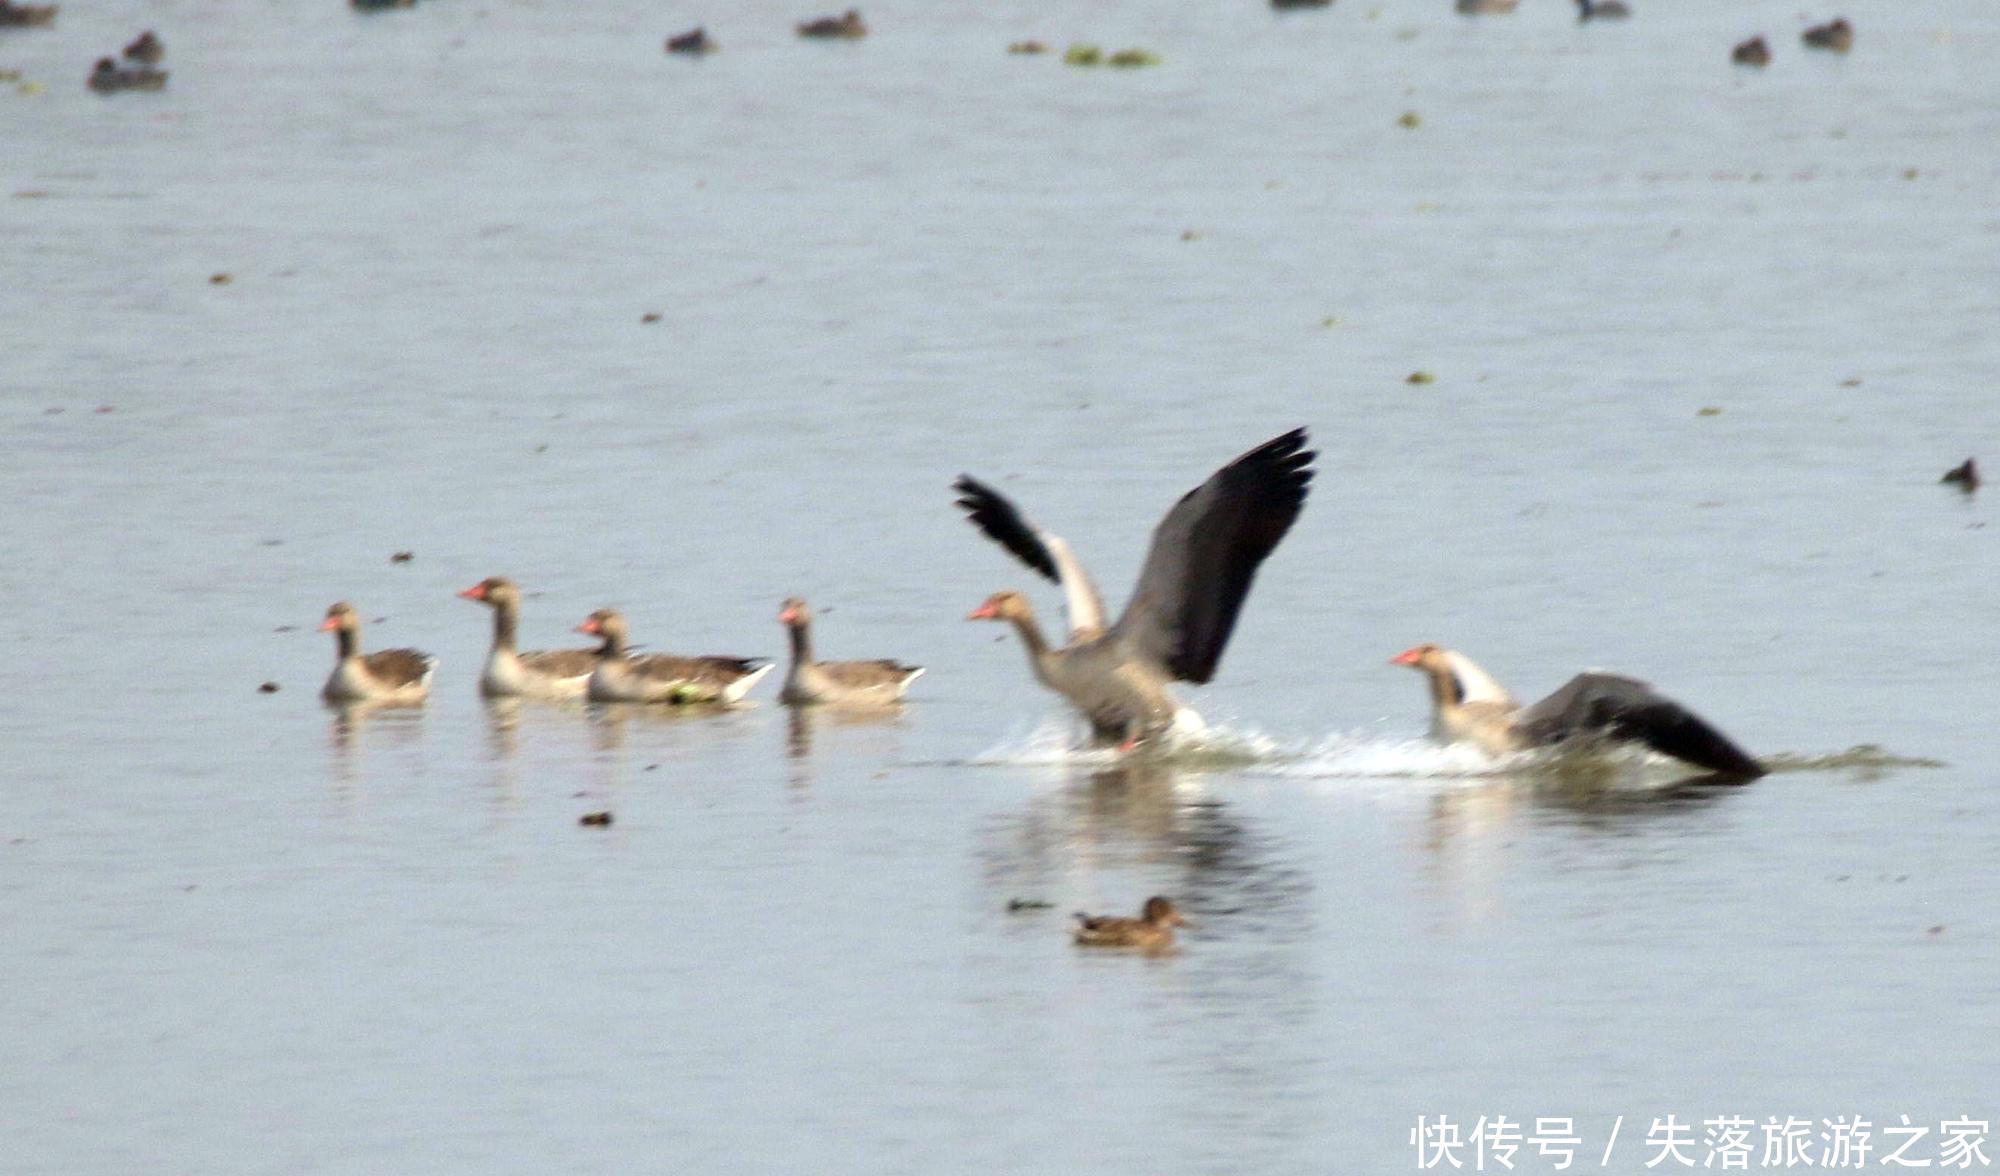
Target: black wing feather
(1608,705)
(990,511)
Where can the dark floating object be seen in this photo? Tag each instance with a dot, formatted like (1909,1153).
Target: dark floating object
(1281,5)
(108,78)
(1836,35)
(1486,7)
(1602,10)
(600,819)
(268,688)
(1017,905)
(694,42)
(220,279)
(1027,48)
(1965,476)
(26,16)
(1468,706)
(1752,52)
(381,5)
(1152,930)
(146,49)
(845,27)
(403,557)
(651,316)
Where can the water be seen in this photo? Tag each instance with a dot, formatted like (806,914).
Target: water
(245,935)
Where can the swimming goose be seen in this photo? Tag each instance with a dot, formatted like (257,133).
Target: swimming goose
(808,681)
(1751,52)
(146,49)
(1468,706)
(1204,554)
(1836,35)
(387,675)
(662,677)
(847,26)
(1152,930)
(1601,10)
(538,673)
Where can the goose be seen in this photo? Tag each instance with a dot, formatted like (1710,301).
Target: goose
(401,676)
(1152,930)
(1602,10)
(662,677)
(847,26)
(107,78)
(808,681)
(1836,35)
(539,673)
(146,49)
(1751,52)
(1468,706)
(695,41)
(1204,554)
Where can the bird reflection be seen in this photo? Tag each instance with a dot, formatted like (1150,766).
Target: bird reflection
(503,727)
(803,724)
(397,723)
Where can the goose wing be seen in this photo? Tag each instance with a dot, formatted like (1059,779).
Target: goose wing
(1609,705)
(1002,522)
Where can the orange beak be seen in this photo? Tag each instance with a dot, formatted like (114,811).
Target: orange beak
(476,592)
(1406,658)
(589,625)
(328,625)
(985,612)
(788,616)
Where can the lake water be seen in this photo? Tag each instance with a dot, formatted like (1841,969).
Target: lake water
(245,935)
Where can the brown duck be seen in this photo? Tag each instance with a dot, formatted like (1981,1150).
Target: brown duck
(400,676)
(662,677)
(537,673)
(1152,930)
(807,682)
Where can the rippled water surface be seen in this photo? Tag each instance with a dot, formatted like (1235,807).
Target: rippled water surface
(246,935)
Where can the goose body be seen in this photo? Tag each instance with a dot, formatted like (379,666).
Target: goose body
(397,676)
(1152,930)
(536,673)
(1203,557)
(808,682)
(618,676)
(1468,706)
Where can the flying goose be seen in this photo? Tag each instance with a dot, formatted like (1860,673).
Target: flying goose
(538,673)
(1468,706)
(1204,554)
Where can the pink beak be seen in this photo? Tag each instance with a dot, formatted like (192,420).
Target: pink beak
(1406,658)
(476,592)
(983,613)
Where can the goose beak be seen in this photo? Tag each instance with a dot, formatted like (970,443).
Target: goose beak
(328,625)
(789,616)
(1406,658)
(589,625)
(984,612)
(476,592)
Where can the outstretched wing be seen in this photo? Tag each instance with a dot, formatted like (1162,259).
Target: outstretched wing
(1206,552)
(990,511)
(1608,705)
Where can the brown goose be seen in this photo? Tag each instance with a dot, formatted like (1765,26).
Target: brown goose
(1836,35)
(1152,930)
(662,677)
(1205,553)
(845,27)
(538,673)
(850,682)
(388,675)
(1468,706)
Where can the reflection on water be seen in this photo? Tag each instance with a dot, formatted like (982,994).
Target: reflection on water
(354,727)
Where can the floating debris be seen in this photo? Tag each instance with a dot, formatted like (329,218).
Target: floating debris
(1082,54)
(220,279)
(1910,173)
(1027,48)
(1282,5)
(1752,52)
(26,16)
(1709,410)
(402,557)
(848,26)
(1132,59)
(694,42)
(1410,120)
(1190,235)
(1017,905)
(107,78)
(267,688)
(146,49)
(1835,36)
(1420,377)
(598,819)
(1601,10)
(651,316)
(381,5)
(1965,476)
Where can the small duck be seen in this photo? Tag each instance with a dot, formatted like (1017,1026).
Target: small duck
(538,673)
(662,677)
(1752,52)
(107,78)
(695,42)
(26,16)
(1486,7)
(845,27)
(808,682)
(146,49)
(1153,930)
(1601,10)
(400,677)
(1835,35)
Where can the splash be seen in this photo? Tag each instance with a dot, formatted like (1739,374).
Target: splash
(1862,757)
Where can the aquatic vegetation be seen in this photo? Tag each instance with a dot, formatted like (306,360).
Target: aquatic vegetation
(1132,59)
(1410,120)
(1420,377)
(1082,54)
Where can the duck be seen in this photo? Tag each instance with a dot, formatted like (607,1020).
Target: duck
(1602,10)
(695,41)
(1153,930)
(808,682)
(1751,52)
(1835,35)
(847,26)
(1469,706)
(146,49)
(662,677)
(538,673)
(395,676)
(26,16)
(1486,7)
(1204,555)
(107,78)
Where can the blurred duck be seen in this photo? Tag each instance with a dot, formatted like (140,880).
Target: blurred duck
(1152,930)
(847,26)
(695,41)
(401,676)
(662,677)
(146,49)
(1836,35)
(1601,10)
(1752,52)
(108,78)
(850,682)
(26,16)
(538,673)
(1468,706)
